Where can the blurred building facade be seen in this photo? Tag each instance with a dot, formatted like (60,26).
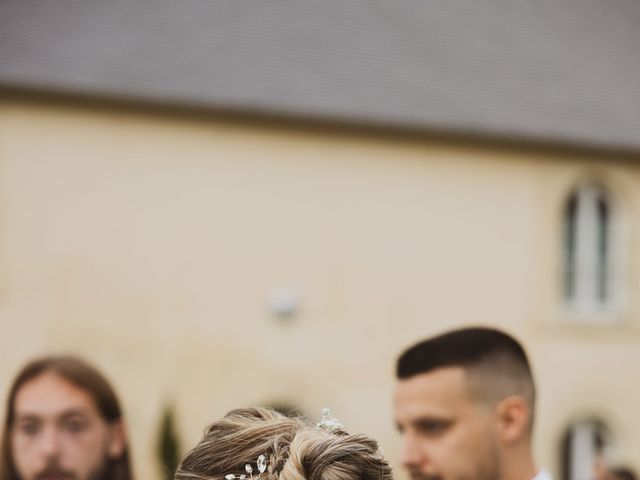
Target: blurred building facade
(227,214)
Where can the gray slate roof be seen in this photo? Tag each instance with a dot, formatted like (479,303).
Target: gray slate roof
(564,71)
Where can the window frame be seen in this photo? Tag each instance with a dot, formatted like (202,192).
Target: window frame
(600,253)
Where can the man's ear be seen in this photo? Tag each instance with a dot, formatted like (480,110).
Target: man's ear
(117,440)
(513,416)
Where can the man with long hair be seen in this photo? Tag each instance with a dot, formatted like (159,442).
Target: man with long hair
(63,422)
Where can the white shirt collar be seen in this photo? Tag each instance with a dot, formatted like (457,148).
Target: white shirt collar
(543,475)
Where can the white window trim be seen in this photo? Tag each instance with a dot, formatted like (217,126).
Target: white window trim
(584,306)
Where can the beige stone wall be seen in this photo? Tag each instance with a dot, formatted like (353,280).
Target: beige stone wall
(151,242)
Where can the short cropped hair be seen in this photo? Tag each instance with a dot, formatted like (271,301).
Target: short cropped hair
(495,363)
(82,375)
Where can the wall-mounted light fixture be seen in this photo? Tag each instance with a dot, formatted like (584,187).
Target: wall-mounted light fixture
(283,303)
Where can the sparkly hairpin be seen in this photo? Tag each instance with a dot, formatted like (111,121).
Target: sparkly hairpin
(328,422)
(261,464)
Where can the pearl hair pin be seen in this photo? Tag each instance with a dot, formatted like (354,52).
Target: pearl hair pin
(327,422)
(261,463)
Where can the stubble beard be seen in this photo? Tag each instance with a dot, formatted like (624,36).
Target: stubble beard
(488,469)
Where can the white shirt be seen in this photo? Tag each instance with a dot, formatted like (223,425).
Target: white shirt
(543,475)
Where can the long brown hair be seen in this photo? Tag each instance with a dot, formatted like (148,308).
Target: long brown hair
(294,448)
(84,376)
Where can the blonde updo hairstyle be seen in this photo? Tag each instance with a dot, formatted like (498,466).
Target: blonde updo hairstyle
(294,448)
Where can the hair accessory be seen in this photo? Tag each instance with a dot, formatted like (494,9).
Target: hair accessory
(261,464)
(328,422)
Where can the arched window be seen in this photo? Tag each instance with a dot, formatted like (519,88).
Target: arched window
(589,242)
(586,448)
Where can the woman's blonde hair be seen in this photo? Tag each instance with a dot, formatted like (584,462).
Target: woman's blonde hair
(294,448)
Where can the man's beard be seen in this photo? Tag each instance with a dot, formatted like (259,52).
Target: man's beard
(103,472)
(489,469)
(416,475)
(481,474)
(54,471)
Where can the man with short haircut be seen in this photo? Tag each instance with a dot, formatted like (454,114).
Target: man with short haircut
(464,404)
(63,422)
